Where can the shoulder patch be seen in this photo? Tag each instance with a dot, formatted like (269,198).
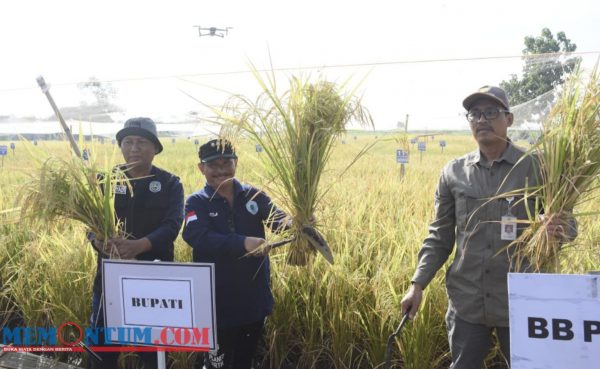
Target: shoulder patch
(190,217)
(252,207)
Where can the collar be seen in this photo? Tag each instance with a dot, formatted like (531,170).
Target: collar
(511,155)
(237,189)
(152,173)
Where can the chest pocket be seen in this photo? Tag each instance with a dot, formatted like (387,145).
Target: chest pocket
(470,209)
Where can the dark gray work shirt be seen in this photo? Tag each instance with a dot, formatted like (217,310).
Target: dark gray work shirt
(477,279)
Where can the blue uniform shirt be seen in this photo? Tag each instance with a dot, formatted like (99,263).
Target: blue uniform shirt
(216,232)
(155,211)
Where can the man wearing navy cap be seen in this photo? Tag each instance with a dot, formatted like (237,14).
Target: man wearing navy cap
(476,280)
(224,225)
(152,215)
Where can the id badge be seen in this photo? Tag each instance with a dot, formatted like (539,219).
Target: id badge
(508,231)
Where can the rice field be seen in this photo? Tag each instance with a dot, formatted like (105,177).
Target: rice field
(325,316)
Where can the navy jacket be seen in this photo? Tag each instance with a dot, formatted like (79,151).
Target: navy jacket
(155,211)
(216,232)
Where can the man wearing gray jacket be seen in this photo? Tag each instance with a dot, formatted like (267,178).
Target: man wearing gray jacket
(482,229)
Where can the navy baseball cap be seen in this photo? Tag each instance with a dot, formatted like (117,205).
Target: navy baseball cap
(143,127)
(216,149)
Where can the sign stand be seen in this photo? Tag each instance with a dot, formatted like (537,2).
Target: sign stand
(161,360)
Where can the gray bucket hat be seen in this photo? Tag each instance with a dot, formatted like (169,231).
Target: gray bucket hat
(143,127)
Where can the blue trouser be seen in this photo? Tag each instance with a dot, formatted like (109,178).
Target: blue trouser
(470,343)
(109,359)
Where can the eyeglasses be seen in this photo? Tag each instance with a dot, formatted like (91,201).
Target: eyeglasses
(489,114)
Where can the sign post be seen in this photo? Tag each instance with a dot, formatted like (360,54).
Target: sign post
(442,144)
(554,321)
(3,151)
(422,146)
(402,158)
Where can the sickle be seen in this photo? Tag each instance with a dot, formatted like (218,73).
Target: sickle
(315,239)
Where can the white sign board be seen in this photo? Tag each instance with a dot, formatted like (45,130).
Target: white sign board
(139,311)
(166,304)
(401,156)
(554,321)
(3,150)
(421,146)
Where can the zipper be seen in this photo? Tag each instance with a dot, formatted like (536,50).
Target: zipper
(230,220)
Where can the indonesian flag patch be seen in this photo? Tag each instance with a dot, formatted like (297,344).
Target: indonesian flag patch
(190,217)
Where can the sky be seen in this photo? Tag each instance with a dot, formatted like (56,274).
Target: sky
(391,50)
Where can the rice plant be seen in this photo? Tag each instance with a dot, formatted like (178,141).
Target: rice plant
(297,130)
(69,189)
(569,160)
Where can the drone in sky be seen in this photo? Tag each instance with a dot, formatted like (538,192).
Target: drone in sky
(213,31)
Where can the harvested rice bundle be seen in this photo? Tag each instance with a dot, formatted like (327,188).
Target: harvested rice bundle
(569,156)
(69,189)
(297,131)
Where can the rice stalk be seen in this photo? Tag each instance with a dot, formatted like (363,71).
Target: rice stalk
(569,160)
(297,131)
(68,189)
